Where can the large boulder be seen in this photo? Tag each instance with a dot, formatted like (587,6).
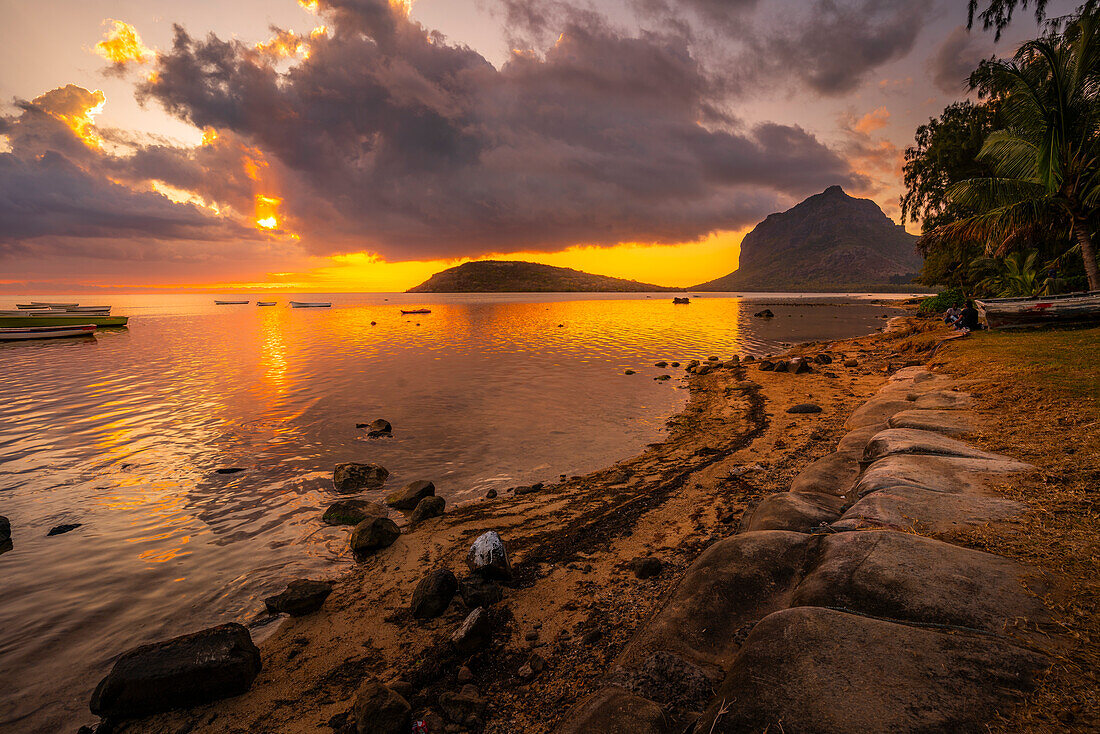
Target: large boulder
(408,497)
(474,632)
(185,671)
(352,512)
(942,400)
(798,511)
(925,511)
(427,508)
(949,422)
(615,710)
(378,710)
(912,441)
(831,474)
(877,410)
(820,670)
(5,529)
(488,557)
(353,477)
(433,594)
(373,534)
(952,474)
(300,597)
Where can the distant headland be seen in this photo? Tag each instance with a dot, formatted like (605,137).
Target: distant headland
(506,276)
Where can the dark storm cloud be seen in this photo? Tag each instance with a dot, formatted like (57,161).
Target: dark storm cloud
(837,45)
(57,194)
(956,57)
(389,138)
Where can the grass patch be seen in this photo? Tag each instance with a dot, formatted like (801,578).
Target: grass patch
(1042,388)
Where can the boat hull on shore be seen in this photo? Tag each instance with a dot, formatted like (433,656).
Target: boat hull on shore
(1002,313)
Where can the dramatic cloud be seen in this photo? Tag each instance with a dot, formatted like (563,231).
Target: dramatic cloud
(122,47)
(387,137)
(956,57)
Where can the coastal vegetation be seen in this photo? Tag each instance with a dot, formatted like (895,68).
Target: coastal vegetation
(1007,188)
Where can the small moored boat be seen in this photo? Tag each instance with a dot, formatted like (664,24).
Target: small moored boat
(57,318)
(266,303)
(46,304)
(86,309)
(681,301)
(309,304)
(45,332)
(416,310)
(1066,308)
(230,303)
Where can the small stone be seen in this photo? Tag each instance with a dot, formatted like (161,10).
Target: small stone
(804,408)
(473,634)
(646,567)
(800,366)
(374,323)
(765,314)
(352,512)
(851,363)
(426,508)
(592,636)
(433,594)
(692,365)
(630,372)
(702,369)
(662,378)
(465,675)
(479,592)
(379,710)
(491,494)
(748,358)
(60,529)
(823,358)
(465,707)
(766,365)
(352,477)
(662,364)
(534,665)
(674,364)
(531,636)
(782,366)
(409,497)
(377,428)
(373,534)
(488,557)
(536,487)
(301,597)
(229,470)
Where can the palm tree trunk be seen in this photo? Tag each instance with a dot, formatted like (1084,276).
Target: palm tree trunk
(1088,252)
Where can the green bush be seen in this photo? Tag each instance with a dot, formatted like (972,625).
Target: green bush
(941,302)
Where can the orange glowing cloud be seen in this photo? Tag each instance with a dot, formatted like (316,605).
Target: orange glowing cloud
(77,108)
(873,120)
(122,46)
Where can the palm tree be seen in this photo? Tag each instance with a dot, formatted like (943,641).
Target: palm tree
(1046,162)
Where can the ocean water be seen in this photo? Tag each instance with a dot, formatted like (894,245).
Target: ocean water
(123,433)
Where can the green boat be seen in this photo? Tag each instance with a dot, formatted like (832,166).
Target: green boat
(63,320)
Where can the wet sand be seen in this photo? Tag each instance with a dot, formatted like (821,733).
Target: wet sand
(571,543)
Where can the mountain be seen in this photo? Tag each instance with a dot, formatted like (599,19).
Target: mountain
(506,276)
(829,242)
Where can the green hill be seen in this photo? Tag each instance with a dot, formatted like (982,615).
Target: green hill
(505,276)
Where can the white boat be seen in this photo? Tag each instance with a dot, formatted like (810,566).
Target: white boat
(230,303)
(266,303)
(1069,307)
(44,304)
(308,304)
(26,312)
(45,332)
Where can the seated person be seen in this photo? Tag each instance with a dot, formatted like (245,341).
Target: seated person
(968,319)
(951,315)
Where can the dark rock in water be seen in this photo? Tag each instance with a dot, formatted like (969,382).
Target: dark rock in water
(692,365)
(374,323)
(766,365)
(804,408)
(426,508)
(702,369)
(782,366)
(301,597)
(646,567)
(749,358)
(488,557)
(674,364)
(801,366)
(378,710)
(474,632)
(409,497)
(58,530)
(185,671)
(352,477)
(536,487)
(823,358)
(229,470)
(662,364)
(373,534)
(681,301)
(352,512)
(662,378)
(479,592)
(465,707)
(377,428)
(630,372)
(5,529)
(491,494)
(765,314)
(433,594)
(851,363)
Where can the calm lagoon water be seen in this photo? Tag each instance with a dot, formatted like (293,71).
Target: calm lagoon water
(123,433)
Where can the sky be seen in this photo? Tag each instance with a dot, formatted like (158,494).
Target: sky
(362,145)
